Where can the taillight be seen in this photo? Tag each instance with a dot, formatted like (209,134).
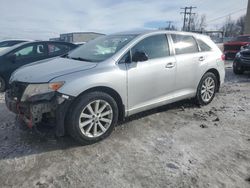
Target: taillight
(223,57)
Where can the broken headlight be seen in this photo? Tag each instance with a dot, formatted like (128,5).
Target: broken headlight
(40,89)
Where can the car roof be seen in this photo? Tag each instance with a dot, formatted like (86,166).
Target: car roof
(28,40)
(145,32)
(34,42)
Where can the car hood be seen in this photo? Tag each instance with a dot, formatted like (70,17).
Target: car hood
(46,70)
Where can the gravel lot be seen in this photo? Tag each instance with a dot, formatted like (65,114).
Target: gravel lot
(179,145)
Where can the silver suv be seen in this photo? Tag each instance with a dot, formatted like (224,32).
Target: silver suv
(89,90)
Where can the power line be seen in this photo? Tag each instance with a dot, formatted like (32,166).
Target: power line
(226,15)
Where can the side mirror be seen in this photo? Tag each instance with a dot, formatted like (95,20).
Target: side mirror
(11,57)
(139,56)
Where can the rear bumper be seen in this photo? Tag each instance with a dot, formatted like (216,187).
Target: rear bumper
(34,112)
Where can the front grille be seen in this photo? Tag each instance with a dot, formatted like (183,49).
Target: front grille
(245,55)
(232,47)
(17,89)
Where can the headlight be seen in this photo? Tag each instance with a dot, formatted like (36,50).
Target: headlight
(39,89)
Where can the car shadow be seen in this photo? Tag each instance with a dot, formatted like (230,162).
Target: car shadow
(16,140)
(187,103)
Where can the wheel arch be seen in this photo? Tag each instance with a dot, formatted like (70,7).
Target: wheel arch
(113,93)
(217,74)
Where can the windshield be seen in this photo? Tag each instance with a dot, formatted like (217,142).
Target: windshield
(9,43)
(101,48)
(242,39)
(9,49)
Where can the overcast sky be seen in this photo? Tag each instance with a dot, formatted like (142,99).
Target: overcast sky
(43,19)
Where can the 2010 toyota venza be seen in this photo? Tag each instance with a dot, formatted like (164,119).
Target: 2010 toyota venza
(93,87)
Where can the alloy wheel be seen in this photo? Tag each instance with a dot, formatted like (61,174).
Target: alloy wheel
(95,118)
(207,89)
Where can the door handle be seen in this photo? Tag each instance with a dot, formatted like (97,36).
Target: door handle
(169,65)
(202,58)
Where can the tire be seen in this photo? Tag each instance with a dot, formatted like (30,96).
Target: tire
(237,69)
(94,128)
(20,123)
(2,84)
(203,88)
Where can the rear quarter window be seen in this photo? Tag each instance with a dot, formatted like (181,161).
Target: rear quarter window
(58,49)
(184,44)
(203,46)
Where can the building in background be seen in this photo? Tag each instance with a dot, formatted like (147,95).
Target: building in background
(55,39)
(247,24)
(77,37)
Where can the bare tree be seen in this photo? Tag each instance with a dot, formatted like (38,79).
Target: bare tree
(240,23)
(198,22)
(233,28)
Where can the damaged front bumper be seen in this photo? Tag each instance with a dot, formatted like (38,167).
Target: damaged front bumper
(53,105)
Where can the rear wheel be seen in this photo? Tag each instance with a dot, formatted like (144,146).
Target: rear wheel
(206,89)
(92,117)
(2,84)
(237,69)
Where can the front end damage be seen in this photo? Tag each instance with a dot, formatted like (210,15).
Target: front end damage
(51,106)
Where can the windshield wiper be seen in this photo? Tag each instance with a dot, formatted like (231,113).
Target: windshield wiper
(80,59)
(65,55)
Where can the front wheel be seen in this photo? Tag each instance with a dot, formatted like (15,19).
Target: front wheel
(2,84)
(92,117)
(206,89)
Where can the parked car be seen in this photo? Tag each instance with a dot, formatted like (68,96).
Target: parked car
(233,47)
(115,76)
(8,43)
(242,61)
(28,52)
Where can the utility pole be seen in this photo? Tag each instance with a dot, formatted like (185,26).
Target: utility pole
(184,21)
(247,22)
(169,25)
(190,17)
(187,17)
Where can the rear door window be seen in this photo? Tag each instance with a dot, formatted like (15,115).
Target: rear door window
(154,46)
(184,44)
